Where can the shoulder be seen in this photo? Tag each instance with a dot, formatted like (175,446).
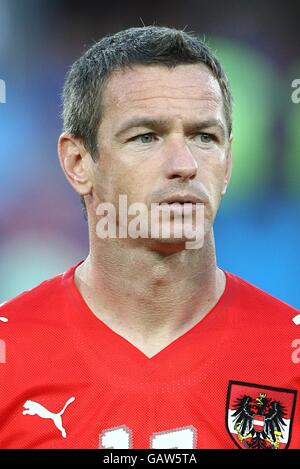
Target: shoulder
(34,329)
(260,304)
(36,303)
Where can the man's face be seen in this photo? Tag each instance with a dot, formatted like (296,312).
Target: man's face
(163,132)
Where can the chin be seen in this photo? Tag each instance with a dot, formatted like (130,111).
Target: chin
(170,246)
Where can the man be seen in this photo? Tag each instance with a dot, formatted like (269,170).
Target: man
(147,343)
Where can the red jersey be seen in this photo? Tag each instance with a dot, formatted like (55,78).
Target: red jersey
(69,381)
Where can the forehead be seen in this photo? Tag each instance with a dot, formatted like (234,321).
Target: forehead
(184,88)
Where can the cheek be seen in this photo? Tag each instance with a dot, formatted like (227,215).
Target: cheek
(107,179)
(214,175)
(141,178)
(129,179)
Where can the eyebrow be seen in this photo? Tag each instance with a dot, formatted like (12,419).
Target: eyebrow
(162,123)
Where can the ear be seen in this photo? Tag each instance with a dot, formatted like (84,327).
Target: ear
(228,167)
(75,162)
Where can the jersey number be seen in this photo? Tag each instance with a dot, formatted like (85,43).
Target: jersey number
(121,438)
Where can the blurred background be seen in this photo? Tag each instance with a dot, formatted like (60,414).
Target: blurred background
(42,230)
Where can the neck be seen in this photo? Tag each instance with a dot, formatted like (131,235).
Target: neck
(141,293)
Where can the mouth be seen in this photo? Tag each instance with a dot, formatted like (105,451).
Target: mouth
(181,199)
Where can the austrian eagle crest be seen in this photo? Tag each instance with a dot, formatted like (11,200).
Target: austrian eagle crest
(259,417)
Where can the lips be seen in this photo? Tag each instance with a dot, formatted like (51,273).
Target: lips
(181,199)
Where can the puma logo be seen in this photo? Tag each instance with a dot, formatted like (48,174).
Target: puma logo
(34,408)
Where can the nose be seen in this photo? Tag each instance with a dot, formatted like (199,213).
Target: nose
(180,161)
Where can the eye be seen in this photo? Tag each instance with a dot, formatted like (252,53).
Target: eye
(144,138)
(205,138)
